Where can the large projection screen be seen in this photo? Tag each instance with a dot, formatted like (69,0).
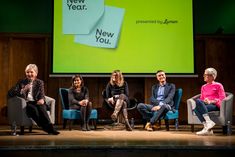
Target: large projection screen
(95,37)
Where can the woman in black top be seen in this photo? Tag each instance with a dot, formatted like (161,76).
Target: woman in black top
(117,93)
(79,99)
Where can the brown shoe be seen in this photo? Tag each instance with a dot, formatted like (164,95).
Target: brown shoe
(148,127)
(156,126)
(114,116)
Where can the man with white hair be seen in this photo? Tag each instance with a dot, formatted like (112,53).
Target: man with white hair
(212,93)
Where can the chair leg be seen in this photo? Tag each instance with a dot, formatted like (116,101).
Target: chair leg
(70,124)
(176,124)
(167,124)
(22,130)
(30,129)
(94,123)
(192,127)
(225,128)
(144,121)
(64,123)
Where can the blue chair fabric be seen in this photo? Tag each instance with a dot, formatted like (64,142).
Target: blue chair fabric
(71,114)
(174,115)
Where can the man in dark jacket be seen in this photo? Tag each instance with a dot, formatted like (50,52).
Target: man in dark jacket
(161,101)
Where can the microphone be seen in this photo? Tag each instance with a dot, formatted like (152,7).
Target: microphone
(30,81)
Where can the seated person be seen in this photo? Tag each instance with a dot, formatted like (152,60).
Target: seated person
(212,93)
(117,93)
(161,101)
(79,99)
(32,90)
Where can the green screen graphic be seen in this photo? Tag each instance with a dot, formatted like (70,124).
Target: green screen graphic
(153,34)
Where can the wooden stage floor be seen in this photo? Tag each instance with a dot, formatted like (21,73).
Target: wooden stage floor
(103,142)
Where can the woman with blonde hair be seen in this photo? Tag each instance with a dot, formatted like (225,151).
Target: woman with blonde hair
(32,90)
(117,93)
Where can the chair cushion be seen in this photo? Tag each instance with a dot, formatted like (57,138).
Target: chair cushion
(75,114)
(214,113)
(172,115)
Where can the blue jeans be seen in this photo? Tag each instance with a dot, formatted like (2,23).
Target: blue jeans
(202,108)
(152,116)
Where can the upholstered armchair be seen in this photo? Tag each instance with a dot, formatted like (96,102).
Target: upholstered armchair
(170,115)
(17,112)
(219,117)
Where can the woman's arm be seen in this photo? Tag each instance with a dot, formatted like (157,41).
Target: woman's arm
(71,97)
(16,90)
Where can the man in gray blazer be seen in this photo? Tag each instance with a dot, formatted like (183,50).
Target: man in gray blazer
(161,101)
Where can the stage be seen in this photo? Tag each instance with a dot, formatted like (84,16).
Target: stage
(103,142)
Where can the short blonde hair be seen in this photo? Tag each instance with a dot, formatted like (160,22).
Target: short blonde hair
(211,71)
(32,66)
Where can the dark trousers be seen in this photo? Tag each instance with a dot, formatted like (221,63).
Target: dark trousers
(202,108)
(39,114)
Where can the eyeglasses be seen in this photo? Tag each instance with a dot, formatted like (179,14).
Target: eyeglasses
(207,75)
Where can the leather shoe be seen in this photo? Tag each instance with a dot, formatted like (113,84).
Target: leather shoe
(148,127)
(54,132)
(156,126)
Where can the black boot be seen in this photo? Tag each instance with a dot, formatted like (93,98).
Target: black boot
(88,127)
(83,118)
(84,128)
(52,130)
(88,113)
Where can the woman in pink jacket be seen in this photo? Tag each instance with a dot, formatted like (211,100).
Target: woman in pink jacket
(212,93)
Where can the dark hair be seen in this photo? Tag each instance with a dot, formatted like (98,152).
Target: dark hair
(160,71)
(77,76)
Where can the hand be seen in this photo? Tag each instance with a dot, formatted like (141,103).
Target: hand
(40,102)
(155,108)
(110,100)
(207,101)
(83,102)
(26,88)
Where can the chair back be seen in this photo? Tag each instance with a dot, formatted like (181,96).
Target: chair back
(105,101)
(64,97)
(104,94)
(177,97)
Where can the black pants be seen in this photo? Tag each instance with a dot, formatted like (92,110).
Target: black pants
(39,114)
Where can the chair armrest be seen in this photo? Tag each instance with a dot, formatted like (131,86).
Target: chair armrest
(196,96)
(17,110)
(191,102)
(133,104)
(226,108)
(51,102)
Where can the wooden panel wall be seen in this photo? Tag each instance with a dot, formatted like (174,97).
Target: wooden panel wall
(18,50)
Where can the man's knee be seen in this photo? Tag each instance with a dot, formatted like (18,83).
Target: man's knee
(165,106)
(140,106)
